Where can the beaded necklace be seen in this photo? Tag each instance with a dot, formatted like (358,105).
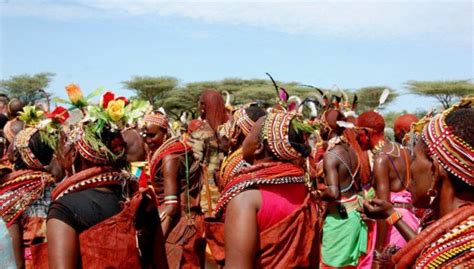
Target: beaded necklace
(270,173)
(89,178)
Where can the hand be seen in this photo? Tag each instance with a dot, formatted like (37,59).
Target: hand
(377,209)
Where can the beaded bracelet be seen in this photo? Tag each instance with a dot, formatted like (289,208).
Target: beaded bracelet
(394,218)
(171,197)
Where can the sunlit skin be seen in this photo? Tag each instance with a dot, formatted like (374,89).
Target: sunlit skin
(429,178)
(241,230)
(386,179)
(154,136)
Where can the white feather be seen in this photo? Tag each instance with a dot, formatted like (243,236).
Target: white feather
(294,99)
(227,99)
(345,124)
(162,110)
(312,107)
(184,117)
(384,96)
(350,113)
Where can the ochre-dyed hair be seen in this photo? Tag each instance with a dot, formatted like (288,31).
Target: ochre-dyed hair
(373,120)
(216,113)
(403,123)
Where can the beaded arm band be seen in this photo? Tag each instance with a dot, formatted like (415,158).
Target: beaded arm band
(394,218)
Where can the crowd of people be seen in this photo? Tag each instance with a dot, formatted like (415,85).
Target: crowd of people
(283,184)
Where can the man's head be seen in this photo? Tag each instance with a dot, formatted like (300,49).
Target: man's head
(329,126)
(371,129)
(212,108)
(402,126)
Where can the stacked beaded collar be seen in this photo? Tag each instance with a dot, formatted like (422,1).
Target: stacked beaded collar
(156,119)
(89,178)
(274,173)
(453,153)
(22,141)
(275,131)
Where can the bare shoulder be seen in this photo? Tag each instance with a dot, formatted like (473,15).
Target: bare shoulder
(249,199)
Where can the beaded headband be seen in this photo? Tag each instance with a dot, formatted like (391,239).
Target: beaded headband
(453,153)
(22,141)
(275,131)
(88,152)
(157,119)
(243,120)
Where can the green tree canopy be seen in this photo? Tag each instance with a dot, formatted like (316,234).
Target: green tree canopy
(152,89)
(27,88)
(368,97)
(446,92)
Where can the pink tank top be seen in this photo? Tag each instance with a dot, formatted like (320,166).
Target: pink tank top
(278,202)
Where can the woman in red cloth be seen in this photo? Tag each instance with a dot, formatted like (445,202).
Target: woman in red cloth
(443,180)
(270,219)
(93,221)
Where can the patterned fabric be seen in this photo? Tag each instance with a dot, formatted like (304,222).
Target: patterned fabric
(19,190)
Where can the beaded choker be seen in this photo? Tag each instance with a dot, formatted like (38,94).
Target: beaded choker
(453,153)
(275,131)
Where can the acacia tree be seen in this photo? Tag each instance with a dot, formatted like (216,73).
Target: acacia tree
(446,92)
(152,89)
(27,88)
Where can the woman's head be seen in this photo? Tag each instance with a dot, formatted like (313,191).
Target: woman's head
(155,130)
(444,155)
(277,136)
(30,152)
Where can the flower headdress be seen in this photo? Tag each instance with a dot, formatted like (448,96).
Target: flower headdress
(276,129)
(451,151)
(112,113)
(47,124)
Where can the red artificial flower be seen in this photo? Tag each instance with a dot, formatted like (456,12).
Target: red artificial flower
(59,114)
(106,98)
(122,98)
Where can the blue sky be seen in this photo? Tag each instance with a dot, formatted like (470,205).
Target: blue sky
(348,43)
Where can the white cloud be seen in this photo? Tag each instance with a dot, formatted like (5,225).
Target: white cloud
(442,20)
